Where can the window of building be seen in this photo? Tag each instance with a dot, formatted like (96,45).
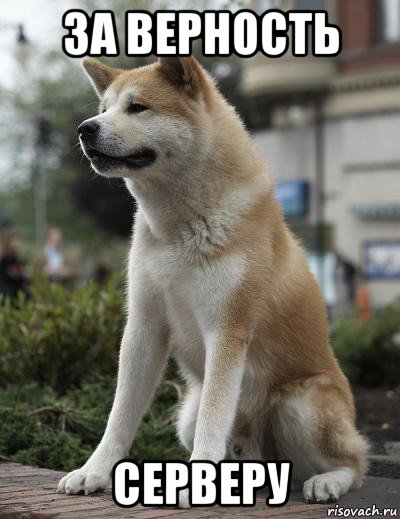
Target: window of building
(265,5)
(304,5)
(301,5)
(310,5)
(389,21)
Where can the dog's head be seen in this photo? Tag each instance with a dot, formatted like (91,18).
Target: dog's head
(152,119)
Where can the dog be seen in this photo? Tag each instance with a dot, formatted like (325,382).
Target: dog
(217,280)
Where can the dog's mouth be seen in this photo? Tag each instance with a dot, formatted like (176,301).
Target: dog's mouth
(141,159)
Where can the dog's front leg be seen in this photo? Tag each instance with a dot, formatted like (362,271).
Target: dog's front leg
(225,361)
(142,357)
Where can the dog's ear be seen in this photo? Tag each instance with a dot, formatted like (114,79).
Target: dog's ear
(183,72)
(101,76)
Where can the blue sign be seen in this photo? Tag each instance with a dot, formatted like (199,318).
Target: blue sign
(381,259)
(294,197)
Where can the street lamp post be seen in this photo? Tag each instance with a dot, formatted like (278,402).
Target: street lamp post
(320,189)
(18,28)
(21,38)
(41,138)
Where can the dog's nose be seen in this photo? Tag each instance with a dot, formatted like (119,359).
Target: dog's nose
(88,129)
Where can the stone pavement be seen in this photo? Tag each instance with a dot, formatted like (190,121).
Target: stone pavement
(29,493)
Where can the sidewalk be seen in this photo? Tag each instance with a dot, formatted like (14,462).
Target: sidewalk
(29,493)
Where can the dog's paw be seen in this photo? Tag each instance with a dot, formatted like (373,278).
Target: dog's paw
(184,498)
(83,481)
(321,489)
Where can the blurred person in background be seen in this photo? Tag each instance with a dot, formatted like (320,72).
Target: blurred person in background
(346,273)
(13,277)
(345,278)
(101,274)
(54,261)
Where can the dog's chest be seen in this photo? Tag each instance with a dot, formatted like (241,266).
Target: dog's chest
(196,295)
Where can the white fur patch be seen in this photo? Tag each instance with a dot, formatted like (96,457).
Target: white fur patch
(195,295)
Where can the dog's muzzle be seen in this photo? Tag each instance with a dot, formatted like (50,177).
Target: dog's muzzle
(88,133)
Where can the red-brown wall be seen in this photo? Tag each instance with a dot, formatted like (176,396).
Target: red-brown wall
(358,20)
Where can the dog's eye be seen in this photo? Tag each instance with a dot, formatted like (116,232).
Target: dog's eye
(135,108)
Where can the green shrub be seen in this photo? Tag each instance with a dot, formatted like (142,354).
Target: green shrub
(58,364)
(39,428)
(61,337)
(369,353)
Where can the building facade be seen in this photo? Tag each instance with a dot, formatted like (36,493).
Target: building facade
(333,126)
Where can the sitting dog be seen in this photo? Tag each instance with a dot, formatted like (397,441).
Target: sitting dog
(217,280)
